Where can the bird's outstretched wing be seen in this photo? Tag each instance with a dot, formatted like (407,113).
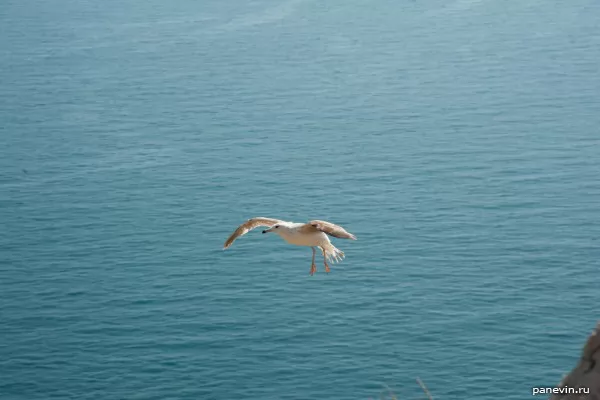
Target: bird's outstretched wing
(328,228)
(247,226)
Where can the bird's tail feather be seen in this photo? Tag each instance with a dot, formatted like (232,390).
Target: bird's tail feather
(332,253)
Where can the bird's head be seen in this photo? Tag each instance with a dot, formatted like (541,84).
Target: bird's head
(275,228)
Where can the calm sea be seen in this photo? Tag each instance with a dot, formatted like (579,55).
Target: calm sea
(457,139)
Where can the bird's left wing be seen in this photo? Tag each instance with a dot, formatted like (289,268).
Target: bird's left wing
(328,228)
(247,226)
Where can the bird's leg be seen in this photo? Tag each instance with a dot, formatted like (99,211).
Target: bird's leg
(325,262)
(313,266)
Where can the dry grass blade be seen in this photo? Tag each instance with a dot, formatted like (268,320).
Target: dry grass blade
(389,393)
(383,396)
(420,382)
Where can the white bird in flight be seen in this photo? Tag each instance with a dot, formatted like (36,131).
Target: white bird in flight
(312,234)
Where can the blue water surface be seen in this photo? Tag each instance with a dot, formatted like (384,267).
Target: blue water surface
(457,139)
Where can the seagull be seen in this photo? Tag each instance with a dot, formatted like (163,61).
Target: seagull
(313,234)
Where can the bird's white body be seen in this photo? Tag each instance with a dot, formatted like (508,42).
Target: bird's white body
(296,234)
(290,232)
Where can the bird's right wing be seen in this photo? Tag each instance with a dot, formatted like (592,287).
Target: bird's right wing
(328,228)
(247,226)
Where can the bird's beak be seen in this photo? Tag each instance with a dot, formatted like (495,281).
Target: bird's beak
(267,230)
